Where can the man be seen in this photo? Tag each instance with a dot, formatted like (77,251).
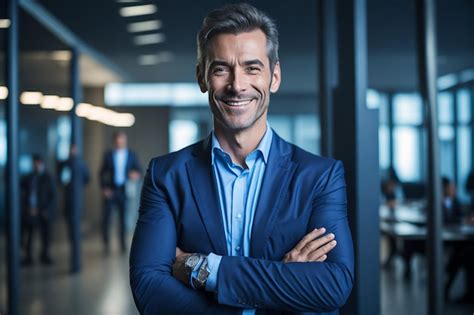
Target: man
(452,210)
(74,170)
(118,166)
(228,225)
(38,197)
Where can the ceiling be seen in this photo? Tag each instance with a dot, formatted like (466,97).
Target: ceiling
(391,40)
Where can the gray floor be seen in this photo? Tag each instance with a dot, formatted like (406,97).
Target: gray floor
(103,288)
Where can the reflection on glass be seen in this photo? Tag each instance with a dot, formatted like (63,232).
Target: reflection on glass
(407,109)
(384,147)
(464,106)
(407,153)
(182,133)
(307,133)
(464,160)
(445,108)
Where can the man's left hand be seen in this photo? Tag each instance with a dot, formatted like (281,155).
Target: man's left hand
(179,271)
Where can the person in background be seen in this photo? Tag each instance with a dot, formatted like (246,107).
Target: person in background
(392,189)
(119,165)
(38,198)
(74,169)
(470,189)
(452,211)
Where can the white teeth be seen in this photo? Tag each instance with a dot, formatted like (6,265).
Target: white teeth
(235,103)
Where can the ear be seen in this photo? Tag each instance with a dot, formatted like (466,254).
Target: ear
(276,78)
(200,79)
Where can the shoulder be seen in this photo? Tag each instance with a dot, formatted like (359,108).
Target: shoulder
(305,160)
(175,161)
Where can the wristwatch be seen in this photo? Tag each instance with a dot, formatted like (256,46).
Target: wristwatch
(191,262)
(199,282)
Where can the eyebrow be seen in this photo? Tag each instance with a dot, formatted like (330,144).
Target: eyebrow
(246,63)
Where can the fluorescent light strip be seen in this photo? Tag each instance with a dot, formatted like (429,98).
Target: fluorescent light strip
(64,104)
(144,26)
(138,10)
(31,98)
(104,115)
(149,60)
(3,92)
(149,39)
(49,101)
(5,23)
(127,1)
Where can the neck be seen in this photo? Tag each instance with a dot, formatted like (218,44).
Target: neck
(239,144)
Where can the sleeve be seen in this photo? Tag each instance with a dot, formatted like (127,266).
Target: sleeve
(153,251)
(308,287)
(104,173)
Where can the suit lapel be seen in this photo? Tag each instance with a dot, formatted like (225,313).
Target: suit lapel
(203,185)
(276,180)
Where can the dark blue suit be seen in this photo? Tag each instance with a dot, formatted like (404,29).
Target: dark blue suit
(180,207)
(107,176)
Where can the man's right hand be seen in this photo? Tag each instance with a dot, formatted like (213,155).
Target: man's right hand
(313,247)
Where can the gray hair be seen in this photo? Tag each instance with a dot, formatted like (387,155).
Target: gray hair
(235,19)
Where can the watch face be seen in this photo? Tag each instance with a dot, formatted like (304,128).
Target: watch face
(192,261)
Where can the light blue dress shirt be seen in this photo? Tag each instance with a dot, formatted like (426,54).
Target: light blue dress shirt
(120,165)
(239,190)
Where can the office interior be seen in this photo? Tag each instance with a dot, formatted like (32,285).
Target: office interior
(87,69)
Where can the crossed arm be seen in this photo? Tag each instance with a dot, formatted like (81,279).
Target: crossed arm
(242,282)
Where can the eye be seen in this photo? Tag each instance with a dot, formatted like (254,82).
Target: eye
(253,69)
(219,70)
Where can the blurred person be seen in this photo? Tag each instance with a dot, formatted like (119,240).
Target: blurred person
(470,189)
(118,166)
(74,169)
(38,198)
(238,222)
(391,189)
(452,210)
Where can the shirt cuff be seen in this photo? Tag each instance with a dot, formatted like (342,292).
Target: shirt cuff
(213,262)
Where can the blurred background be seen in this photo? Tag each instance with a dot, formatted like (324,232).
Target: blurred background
(92,70)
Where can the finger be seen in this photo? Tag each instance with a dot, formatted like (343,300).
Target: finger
(312,246)
(309,237)
(323,251)
(322,258)
(179,252)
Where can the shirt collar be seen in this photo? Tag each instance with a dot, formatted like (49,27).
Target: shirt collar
(263,146)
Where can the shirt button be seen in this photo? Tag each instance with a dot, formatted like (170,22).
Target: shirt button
(239,215)
(237,248)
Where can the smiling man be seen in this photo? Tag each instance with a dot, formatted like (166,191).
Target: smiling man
(241,222)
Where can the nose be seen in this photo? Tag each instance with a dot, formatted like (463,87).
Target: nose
(237,81)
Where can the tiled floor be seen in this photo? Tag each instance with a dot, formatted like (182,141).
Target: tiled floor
(103,288)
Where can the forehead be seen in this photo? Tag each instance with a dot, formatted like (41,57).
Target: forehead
(245,44)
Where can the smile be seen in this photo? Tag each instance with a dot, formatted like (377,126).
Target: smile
(237,103)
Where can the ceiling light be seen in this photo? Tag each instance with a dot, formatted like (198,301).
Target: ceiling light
(31,98)
(61,55)
(138,10)
(149,39)
(83,109)
(3,92)
(148,60)
(127,1)
(144,26)
(4,23)
(65,104)
(49,101)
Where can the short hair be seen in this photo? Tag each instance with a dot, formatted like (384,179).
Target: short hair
(119,133)
(237,18)
(37,157)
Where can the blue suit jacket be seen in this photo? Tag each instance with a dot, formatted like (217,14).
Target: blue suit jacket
(107,170)
(180,207)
